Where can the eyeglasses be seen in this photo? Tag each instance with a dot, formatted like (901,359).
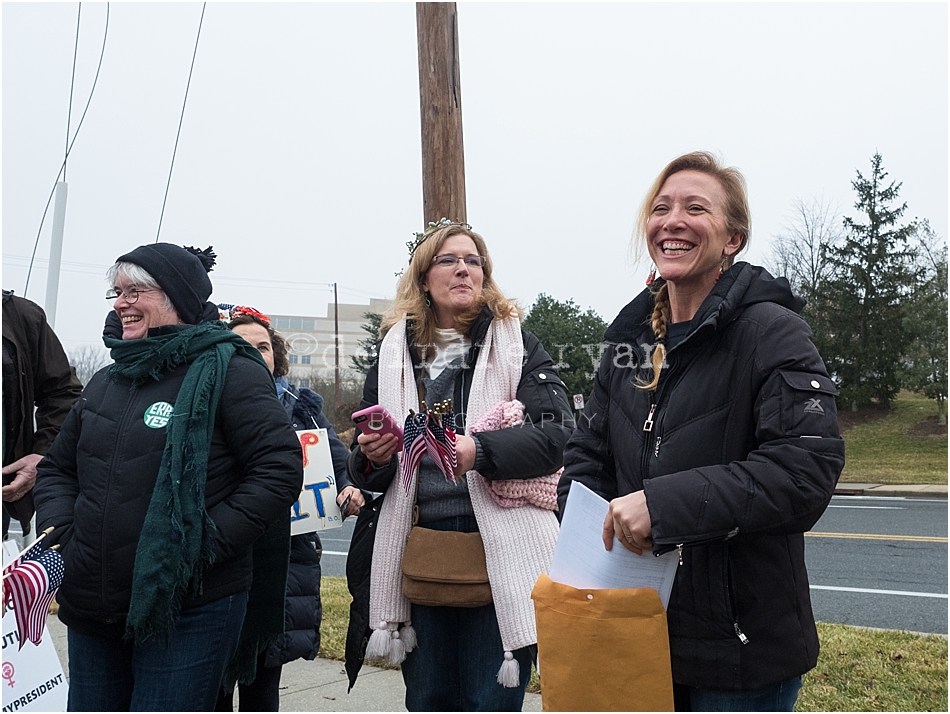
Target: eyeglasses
(447,260)
(131,295)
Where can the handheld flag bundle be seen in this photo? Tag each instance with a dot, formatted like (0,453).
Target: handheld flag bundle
(31,581)
(432,432)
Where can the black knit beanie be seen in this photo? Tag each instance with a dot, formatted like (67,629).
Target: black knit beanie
(181,272)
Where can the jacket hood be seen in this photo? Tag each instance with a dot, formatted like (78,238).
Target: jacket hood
(303,406)
(738,288)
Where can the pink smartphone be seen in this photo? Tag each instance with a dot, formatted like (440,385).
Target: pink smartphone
(376,420)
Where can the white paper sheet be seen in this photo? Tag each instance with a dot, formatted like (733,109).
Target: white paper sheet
(581,561)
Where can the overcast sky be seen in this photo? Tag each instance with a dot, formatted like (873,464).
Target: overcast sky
(299,158)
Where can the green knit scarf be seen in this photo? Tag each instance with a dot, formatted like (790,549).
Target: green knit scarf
(175,545)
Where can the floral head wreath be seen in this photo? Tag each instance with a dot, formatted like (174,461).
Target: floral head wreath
(229,312)
(420,238)
(429,230)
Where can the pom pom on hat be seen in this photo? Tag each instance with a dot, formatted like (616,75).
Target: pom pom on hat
(206,256)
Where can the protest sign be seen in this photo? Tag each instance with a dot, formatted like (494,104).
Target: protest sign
(316,509)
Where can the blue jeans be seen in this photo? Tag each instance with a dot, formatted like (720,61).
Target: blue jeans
(779,697)
(455,667)
(115,675)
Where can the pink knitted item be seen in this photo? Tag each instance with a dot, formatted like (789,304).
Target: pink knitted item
(540,491)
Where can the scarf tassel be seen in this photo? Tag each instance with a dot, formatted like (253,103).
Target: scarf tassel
(391,644)
(510,673)
(409,638)
(397,650)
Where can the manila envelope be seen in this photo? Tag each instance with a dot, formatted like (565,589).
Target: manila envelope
(602,650)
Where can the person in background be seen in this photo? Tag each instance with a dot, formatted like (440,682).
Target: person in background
(161,484)
(304,409)
(712,429)
(452,334)
(36,378)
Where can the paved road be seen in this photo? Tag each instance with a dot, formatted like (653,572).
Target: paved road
(897,582)
(881,562)
(336,542)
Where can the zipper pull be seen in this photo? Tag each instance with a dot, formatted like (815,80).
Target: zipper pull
(656,450)
(740,634)
(679,550)
(648,424)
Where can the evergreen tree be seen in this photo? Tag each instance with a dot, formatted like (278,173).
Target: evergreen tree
(859,325)
(573,338)
(366,354)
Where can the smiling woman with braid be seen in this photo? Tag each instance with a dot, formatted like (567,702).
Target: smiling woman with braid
(712,430)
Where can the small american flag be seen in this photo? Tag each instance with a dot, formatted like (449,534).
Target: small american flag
(441,440)
(31,581)
(414,443)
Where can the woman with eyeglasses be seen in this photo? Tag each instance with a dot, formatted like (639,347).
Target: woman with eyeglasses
(173,464)
(452,335)
(712,430)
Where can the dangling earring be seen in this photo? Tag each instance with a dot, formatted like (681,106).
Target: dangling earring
(651,277)
(722,267)
(428,300)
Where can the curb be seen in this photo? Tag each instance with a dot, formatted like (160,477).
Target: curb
(898,491)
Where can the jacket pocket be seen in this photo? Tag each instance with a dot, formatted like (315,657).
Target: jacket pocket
(549,393)
(808,405)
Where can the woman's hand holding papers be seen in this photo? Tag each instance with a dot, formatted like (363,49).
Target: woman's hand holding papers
(629,519)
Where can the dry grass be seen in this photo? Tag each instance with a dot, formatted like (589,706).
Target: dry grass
(876,671)
(904,445)
(858,669)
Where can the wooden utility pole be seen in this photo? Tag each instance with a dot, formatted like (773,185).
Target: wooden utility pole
(440,97)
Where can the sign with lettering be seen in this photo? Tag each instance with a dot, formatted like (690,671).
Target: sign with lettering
(316,509)
(33,679)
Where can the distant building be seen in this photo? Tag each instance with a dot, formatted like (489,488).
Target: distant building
(310,339)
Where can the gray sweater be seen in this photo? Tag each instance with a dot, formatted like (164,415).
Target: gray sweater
(439,498)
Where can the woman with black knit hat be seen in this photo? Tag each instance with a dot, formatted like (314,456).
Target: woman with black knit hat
(161,484)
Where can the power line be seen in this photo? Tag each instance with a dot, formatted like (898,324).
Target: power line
(180,122)
(72,84)
(62,168)
(239,281)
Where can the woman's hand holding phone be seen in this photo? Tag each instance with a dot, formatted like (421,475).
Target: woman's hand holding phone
(379,448)
(381,435)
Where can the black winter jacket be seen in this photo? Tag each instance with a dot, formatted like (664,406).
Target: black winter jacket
(98,477)
(506,453)
(303,611)
(738,454)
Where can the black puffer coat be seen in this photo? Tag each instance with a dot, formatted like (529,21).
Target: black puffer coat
(97,481)
(303,608)
(738,454)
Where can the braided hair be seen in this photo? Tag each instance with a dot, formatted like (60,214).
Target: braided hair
(658,321)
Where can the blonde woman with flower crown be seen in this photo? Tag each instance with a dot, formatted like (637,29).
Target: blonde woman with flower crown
(452,335)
